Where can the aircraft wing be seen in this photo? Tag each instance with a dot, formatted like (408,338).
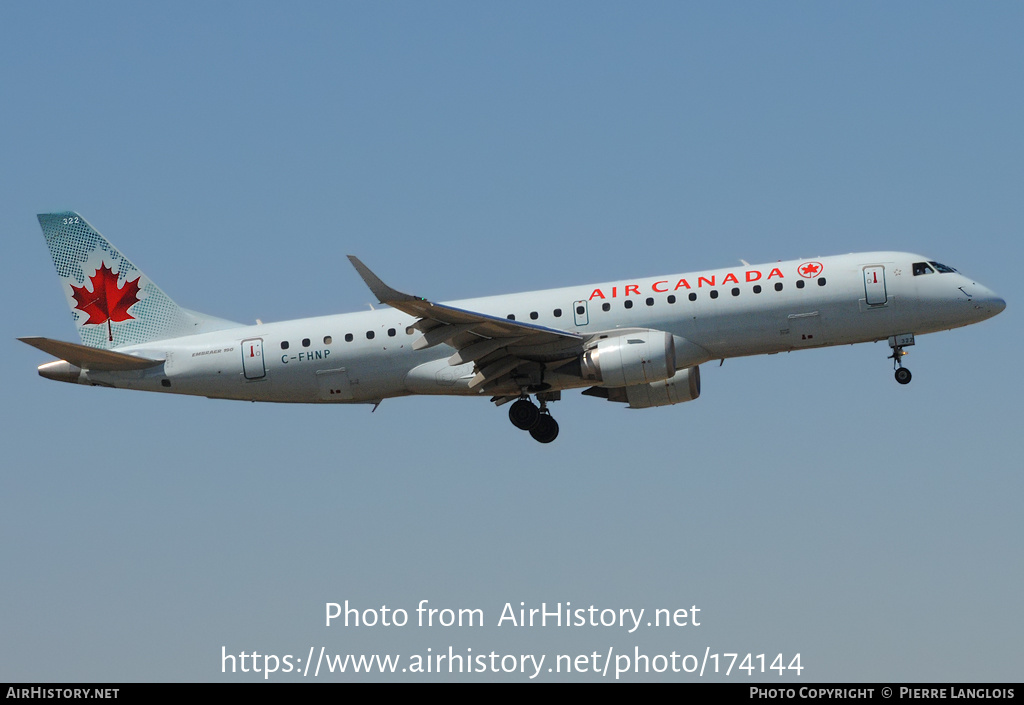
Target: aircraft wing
(495,346)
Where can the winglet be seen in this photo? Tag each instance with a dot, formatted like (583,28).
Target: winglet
(384,293)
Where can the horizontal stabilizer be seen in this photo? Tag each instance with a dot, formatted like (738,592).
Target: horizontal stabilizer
(89,358)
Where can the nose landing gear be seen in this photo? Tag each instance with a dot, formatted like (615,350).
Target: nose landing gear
(525,415)
(903,375)
(897,343)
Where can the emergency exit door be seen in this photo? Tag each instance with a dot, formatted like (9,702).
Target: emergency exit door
(874,286)
(252,358)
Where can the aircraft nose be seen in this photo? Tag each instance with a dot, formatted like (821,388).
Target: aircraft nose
(990,302)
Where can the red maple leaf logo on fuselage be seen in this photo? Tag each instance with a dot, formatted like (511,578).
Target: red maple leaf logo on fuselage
(106,302)
(810,270)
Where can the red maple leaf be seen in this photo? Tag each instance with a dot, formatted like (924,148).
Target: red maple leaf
(106,302)
(809,269)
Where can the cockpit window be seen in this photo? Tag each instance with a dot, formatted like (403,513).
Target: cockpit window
(922,268)
(943,269)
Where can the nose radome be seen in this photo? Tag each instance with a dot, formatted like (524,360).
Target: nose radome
(990,301)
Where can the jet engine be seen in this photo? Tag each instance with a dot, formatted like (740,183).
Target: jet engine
(684,385)
(639,356)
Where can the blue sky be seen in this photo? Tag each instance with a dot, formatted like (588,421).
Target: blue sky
(236,152)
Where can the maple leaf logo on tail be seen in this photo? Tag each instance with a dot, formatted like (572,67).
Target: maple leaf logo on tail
(147,313)
(106,302)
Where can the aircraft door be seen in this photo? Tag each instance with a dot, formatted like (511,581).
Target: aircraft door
(874,286)
(252,359)
(580,312)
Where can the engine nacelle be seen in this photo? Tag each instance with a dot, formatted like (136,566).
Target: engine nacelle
(684,385)
(635,357)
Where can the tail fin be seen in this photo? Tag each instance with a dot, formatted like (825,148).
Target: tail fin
(112,301)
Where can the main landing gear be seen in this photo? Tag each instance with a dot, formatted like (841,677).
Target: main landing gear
(897,343)
(525,415)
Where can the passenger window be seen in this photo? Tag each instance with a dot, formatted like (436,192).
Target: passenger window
(671,298)
(821,281)
(650,301)
(692,296)
(392,332)
(328,339)
(284,344)
(533,315)
(305,342)
(736,291)
(369,335)
(714,293)
(627,303)
(800,284)
(606,307)
(558,313)
(348,337)
(778,286)
(757,288)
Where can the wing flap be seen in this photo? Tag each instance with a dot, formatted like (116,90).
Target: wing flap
(440,334)
(493,371)
(481,349)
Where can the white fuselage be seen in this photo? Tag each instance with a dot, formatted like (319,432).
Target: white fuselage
(744,310)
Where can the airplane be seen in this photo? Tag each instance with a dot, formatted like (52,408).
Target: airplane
(638,342)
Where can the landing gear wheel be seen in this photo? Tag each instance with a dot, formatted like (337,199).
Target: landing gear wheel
(546,429)
(903,375)
(524,414)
